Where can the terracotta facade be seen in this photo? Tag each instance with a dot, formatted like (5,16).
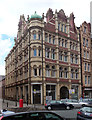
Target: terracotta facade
(45,60)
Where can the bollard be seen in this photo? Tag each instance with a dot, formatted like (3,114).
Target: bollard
(21,103)
(7,104)
(27,102)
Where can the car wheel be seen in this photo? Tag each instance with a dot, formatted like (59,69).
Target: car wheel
(68,107)
(83,105)
(49,108)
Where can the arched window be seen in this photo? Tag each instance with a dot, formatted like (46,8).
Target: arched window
(39,70)
(65,73)
(47,71)
(34,35)
(53,54)
(39,35)
(35,70)
(62,28)
(53,71)
(65,29)
(60,72)
(72,73)
(76,74)
(46,37)
(49,38)
(35,52)
(60,55)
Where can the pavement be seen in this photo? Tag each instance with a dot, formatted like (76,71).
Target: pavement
(14,106)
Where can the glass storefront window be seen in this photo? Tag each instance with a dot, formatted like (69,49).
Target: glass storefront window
(50,91)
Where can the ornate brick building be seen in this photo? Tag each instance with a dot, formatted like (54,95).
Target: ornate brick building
(85,39)
(45,60)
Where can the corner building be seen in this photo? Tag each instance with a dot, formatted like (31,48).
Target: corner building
(45,60)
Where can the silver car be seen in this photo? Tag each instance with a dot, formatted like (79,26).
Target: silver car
(73,102)
(85,102)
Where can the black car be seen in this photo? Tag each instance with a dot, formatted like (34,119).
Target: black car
(85,113)
(33,115)
(55,104)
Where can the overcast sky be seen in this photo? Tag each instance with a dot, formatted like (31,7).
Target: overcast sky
(10,11)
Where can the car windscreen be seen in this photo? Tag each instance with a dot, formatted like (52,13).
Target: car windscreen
(87,109)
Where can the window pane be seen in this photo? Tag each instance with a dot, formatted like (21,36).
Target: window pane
(35,52)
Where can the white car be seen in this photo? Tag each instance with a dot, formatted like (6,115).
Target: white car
(84,102)
(5,112)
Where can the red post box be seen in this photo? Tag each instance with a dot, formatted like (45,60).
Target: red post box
(21,103)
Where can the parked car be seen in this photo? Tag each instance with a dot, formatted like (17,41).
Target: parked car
(33,115)
(73,102)
(55,104)
(85,102)
(85,113)
(5,111)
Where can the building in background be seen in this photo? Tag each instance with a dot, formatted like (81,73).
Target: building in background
(2,86)
(45,60)
(85,39)
(91,16)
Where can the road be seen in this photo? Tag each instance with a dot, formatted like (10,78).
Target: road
(69,114)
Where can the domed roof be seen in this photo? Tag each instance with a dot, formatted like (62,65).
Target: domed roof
(36,16)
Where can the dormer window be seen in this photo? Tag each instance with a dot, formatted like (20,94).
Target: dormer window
(65,29)
(62,28)
(84,29)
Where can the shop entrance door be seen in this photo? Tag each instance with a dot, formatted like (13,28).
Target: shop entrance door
(64,92)
(36,94)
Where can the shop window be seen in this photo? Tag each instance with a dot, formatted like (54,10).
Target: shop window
(51,91)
